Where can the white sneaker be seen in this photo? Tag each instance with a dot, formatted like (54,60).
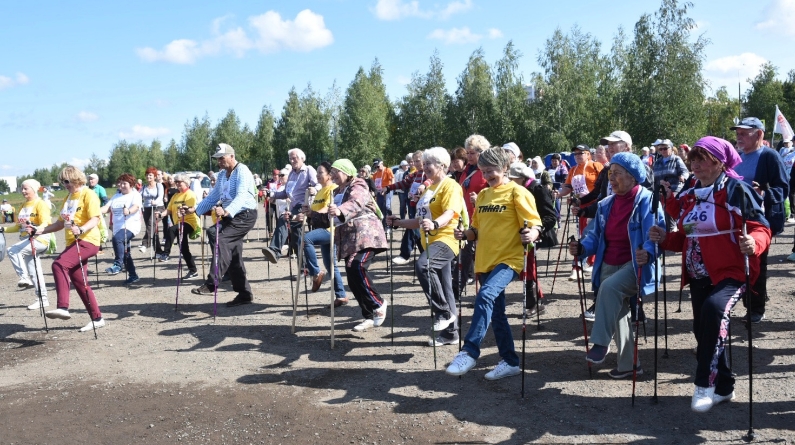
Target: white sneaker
(379,315)
(93,324)
(142,249)
(39,304)
(702,399)
(399,260)
(791,257)
(25,283)
(503,370)
(791,219)
(62,314)
(718,399)
(587,268)
(574,274)
(461,364)
(442,324)
(364,325)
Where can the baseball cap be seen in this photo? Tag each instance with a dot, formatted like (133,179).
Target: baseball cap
(749,122)
(663,142)
(93,176)
(402,163)
(376,161)
(513,148)
(520,170)
(581,147)
(223,150)
(617,136)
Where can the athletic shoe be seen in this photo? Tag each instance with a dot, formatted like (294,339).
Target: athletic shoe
(590,313)
(470,281)
(399,260)
(717,399)
(24,283)
(502,370)
(574,275)
(142,249)
(190,274)
(702,399)
(39,304)
(62,314)
(757,317)
(587,269)
(616,374)
(164,258)
(96,324)
(113,270)
(791,257)
(379,315)
(202,290)
(364,325)
(791,219)
(597,354)
(340,302)
(239,301)
(461,364)
(442,324)
(442,341)
(317,280)
(270,255)
(131,280)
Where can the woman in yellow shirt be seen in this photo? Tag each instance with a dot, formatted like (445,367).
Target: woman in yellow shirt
(181,205)
(34,212)
(498,220)
(438,210)
(80,217)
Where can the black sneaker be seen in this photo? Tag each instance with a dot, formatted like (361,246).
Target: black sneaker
(190,274)
(270,255)
(757,317)
(597,354)
(239,301)
(202,290)
(616,374)
(131,280)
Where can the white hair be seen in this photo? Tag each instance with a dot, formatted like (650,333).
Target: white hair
(180,177)
(437,155)
(32,183)
(477,142)
(297,151)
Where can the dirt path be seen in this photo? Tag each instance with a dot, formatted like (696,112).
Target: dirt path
(160,376)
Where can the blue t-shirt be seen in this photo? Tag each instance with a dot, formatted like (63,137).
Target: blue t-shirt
(747,168)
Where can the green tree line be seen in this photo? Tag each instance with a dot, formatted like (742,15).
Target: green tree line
(649,83)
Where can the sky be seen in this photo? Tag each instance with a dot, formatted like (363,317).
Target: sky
(77,77)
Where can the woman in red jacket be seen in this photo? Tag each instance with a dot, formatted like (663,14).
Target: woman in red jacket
(710,221)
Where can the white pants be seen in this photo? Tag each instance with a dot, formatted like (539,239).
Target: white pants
(21,257)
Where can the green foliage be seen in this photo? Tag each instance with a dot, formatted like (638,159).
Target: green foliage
(304,124)
(765,93)
(261,152)
(4,187)
(196,146)
(472,108)
(720,111)
(364,123)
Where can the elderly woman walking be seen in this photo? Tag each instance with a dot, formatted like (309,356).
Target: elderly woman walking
(618,237)
(359,236)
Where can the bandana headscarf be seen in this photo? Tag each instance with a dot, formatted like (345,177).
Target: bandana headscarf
(723,151)
(345,166)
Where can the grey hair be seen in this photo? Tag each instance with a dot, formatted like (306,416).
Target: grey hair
(409,157)
(32,183)
(494,157)
(180,177)
(438,155)
(477,142)
(297,151)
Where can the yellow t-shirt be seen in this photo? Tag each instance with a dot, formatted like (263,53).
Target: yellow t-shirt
(78,208)
(37,212)
(323,197)
(500,213)
(186,198)
(438,198)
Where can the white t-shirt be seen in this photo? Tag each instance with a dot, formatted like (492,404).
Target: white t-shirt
(117,205)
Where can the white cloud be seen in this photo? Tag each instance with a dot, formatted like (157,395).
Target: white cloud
(18,79)
(86,116)
(403,80)
(270,33)
(79,163)
(495,33)
(778,15)
(455,36)
(143,132)
(6,167)
(727,71)
(700,26)
(398,9)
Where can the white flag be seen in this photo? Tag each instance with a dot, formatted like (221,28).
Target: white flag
(781,126)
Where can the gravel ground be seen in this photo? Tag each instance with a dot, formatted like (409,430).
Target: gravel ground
(157,375)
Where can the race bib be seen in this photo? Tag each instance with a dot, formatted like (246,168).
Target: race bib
(68,212)
(414,187)
(700,220)
(378,183)
(578,185)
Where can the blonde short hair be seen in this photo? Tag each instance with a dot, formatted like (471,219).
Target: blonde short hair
(477,142)
(73,175)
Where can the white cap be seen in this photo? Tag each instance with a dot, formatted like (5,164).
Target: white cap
(513,148)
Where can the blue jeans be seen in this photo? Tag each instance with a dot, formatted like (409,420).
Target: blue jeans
(119,250)
(410,237)
(385,204)
(404,205)
(490,307)
(322,238)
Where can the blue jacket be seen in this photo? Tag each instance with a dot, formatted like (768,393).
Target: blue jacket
(641,220)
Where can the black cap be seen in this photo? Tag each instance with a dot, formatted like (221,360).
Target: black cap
(581,147)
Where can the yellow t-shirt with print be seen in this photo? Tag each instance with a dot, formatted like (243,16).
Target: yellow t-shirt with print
(78,208)
(323,197)
(500,213)
(37,212)
(447,195)
(188,199)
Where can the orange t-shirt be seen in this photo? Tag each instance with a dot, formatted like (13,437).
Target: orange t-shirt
(582,178)
(383,178)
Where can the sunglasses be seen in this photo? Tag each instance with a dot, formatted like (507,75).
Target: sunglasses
(65,181)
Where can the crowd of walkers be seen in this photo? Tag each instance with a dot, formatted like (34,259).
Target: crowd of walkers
(476,214)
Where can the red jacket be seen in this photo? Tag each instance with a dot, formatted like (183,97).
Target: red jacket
(471,182)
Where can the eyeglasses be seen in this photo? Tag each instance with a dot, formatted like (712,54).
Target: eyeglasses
(664,148)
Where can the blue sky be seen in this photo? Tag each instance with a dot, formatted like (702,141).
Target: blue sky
(75,77)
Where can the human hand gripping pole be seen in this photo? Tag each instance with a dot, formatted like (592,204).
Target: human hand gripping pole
(581,293)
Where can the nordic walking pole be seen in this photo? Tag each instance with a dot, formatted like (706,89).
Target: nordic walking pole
(655,207)
(179,265)
(581,294)
(299,271)
(203,241)
(430,286)
(665,295)
(85,282)
(152,242)
(539,292)
(333,255)
(38,282)
(308,200)
(751,435)
(560,250)
(637,325)
(217,279)
(389,258)
(462,285)
(680,298)
(126,248)
(524,308)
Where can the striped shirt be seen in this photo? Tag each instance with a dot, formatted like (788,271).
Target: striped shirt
(236,193)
